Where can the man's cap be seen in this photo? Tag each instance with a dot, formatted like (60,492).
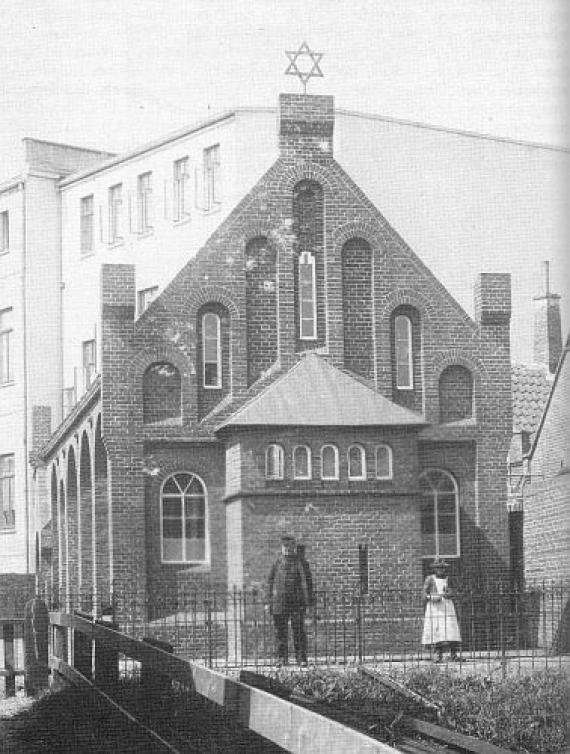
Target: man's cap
(439,563)
(286,539)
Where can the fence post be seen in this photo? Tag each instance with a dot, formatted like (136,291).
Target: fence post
(10,679)
(36,636)
(106,662)
(208,619)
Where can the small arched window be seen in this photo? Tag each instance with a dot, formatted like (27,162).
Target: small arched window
(404,362)
(302,462)
(455,394)
(356,462)
(274,462)
(384,462)
(211,350)
(439,514)
(183,516)
(161,393)
(329,462)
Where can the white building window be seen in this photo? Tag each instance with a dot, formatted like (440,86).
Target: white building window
(7,513)
(86,220)
(180,185)
(4,232)
(144,202)
(403,352)
(274,462)
(356,462)
(5,338)
(115,213)
(88,351)
(211,350)
(302,462)
(307,297)
(383,462)
(329,462)
(439,514)
(144,298)
(183,516)
(211,177)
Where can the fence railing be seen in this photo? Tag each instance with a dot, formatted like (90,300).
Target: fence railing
(219,628)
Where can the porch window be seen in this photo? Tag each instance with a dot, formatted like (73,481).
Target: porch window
(439,514)
(183,519)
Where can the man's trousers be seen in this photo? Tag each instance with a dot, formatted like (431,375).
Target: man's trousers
(281,623)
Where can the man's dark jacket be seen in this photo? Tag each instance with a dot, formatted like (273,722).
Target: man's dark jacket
(280,600)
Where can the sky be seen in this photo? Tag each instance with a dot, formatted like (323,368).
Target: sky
(113,74)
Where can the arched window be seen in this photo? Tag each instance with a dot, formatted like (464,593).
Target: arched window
(274,462)
(356,462)
(383,462)
(439,514)
(403,352)
(183,515)
(161,393)
(329,462)
(455,394)
(211,351)
(307,297)
(302,462)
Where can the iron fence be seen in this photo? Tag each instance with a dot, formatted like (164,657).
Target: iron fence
(522,628)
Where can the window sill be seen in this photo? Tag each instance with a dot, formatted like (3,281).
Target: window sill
(182,221)
(117,242)
(86,254)
(213,210)
(11,530)
(145,233)
(4,252)
(196,567)
(9,383)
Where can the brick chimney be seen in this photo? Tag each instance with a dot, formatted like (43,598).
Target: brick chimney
(306,125)
(547,324)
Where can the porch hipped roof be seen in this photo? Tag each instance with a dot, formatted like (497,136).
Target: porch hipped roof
(315,393)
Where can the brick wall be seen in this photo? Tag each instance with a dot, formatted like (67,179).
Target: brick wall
(455,394)
(161,393)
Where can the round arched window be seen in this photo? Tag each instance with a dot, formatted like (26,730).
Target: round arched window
(183,519)
(439,514)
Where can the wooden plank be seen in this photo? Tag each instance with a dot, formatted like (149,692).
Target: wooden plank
(77,679)
(452,738)
(400,689)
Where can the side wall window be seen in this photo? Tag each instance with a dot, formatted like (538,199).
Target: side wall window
(183,517)
(211,350)
(329,462)
(455,394)
(274,462)
(212,356)
(356,462)
(384,462)
(161,393)
(405,327)
(439,514)
(302,462)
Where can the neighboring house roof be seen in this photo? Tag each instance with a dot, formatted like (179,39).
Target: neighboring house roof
(550,396)
(315,393)
(531,384)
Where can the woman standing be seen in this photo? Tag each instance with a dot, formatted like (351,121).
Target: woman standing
(441,629)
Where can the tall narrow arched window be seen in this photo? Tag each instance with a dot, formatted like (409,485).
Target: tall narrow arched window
(211,351)
(403,352)
(329,462)
(274,462)
(307,297)
(384,462)
(356,462)
(439,514)
(183,517)
(302,462)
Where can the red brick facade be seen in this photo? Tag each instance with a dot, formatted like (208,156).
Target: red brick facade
(248,273)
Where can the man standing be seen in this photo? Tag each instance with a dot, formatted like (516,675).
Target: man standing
(289,594)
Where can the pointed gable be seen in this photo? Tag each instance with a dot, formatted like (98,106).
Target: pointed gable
(315,393)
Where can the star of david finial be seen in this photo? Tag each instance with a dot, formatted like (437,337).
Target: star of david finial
(305,64)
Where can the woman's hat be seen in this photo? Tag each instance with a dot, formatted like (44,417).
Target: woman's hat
(439,563)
